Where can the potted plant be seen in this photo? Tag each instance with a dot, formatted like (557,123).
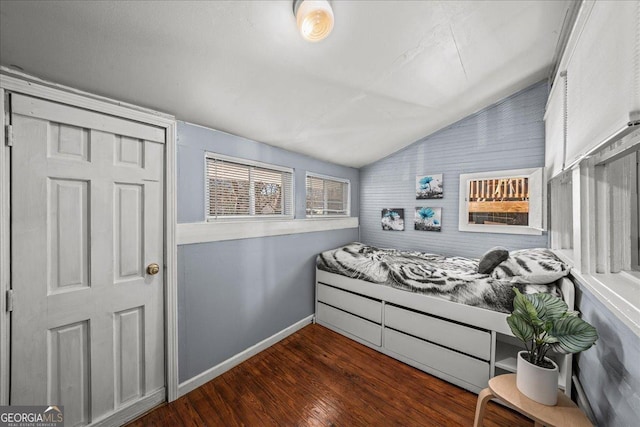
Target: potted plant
(543,322)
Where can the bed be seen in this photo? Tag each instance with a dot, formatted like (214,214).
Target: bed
(437,313)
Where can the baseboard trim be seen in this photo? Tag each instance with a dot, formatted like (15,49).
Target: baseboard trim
(208,375)
(133,411)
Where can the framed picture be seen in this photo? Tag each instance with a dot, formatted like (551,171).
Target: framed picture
(429,186)
(510,201)
(392,219)
(428,219)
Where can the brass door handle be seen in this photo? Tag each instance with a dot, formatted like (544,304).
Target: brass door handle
(153,269)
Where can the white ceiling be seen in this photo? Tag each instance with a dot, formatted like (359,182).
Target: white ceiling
(390,73)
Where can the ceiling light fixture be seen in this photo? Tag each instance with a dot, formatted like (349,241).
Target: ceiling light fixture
(314,18)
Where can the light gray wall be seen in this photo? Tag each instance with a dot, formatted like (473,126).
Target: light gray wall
(610,371)
(194,141)
(508,135)
(234,294)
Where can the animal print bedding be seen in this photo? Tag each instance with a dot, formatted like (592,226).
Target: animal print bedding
(452,278)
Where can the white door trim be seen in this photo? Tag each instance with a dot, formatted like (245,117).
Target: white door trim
(5,262)
(11,81)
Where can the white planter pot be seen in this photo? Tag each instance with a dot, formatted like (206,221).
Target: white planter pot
(537,383)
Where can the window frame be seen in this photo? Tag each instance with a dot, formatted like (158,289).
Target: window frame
(328,178)
(560,212)
(537,202)
(635,229)
(611,257)
(251,164)
(592,251)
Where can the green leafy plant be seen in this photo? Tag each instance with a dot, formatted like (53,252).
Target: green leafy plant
(544,322)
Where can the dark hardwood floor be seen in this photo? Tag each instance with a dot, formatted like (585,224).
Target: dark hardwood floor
(317,377)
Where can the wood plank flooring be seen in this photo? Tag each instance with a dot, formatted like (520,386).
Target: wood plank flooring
(317,377)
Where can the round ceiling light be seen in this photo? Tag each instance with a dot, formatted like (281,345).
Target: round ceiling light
(314,18)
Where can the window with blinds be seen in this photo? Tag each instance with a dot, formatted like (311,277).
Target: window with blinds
(615,209)
(561,212)
(241,188)
(327,196)
(605,207)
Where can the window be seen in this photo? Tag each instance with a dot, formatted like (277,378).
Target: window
(604,199)
(237,188)
(616,209)
(502,202)
(561,213)
(327,196)
(635,235)
(605,190)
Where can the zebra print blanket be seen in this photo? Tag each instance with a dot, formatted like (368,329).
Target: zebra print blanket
(452,278)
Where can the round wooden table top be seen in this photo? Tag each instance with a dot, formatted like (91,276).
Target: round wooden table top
(565,413)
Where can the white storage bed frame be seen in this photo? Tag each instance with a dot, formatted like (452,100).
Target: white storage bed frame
(459,343)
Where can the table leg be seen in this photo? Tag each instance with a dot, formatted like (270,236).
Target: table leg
(484,396)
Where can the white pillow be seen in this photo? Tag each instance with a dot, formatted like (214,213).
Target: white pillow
(537,265)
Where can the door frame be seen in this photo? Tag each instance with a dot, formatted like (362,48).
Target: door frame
(12,81)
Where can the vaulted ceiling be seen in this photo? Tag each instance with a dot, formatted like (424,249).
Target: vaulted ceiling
(390,73)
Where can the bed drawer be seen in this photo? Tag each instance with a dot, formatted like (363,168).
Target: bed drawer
(360,306)
(466,368)
(354,325)
(453,335)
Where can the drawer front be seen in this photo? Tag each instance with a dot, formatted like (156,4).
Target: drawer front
(354,325)
(466,368)
(458,337)
(360,306)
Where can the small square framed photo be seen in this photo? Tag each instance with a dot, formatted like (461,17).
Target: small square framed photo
(429,187)
(392,219)
(428,219)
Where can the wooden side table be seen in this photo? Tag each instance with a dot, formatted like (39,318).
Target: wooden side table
(565,413)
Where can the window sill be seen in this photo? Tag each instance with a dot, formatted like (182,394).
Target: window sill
(566,255)
(502,229)
(248,218)
(216,231)
(619,292)
(325,217)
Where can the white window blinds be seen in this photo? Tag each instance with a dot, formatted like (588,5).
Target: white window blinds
(602,75)
(237,188)
(327,196)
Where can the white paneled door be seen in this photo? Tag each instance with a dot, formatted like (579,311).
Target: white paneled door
(87,256)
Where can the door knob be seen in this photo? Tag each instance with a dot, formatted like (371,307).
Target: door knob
(153,269)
